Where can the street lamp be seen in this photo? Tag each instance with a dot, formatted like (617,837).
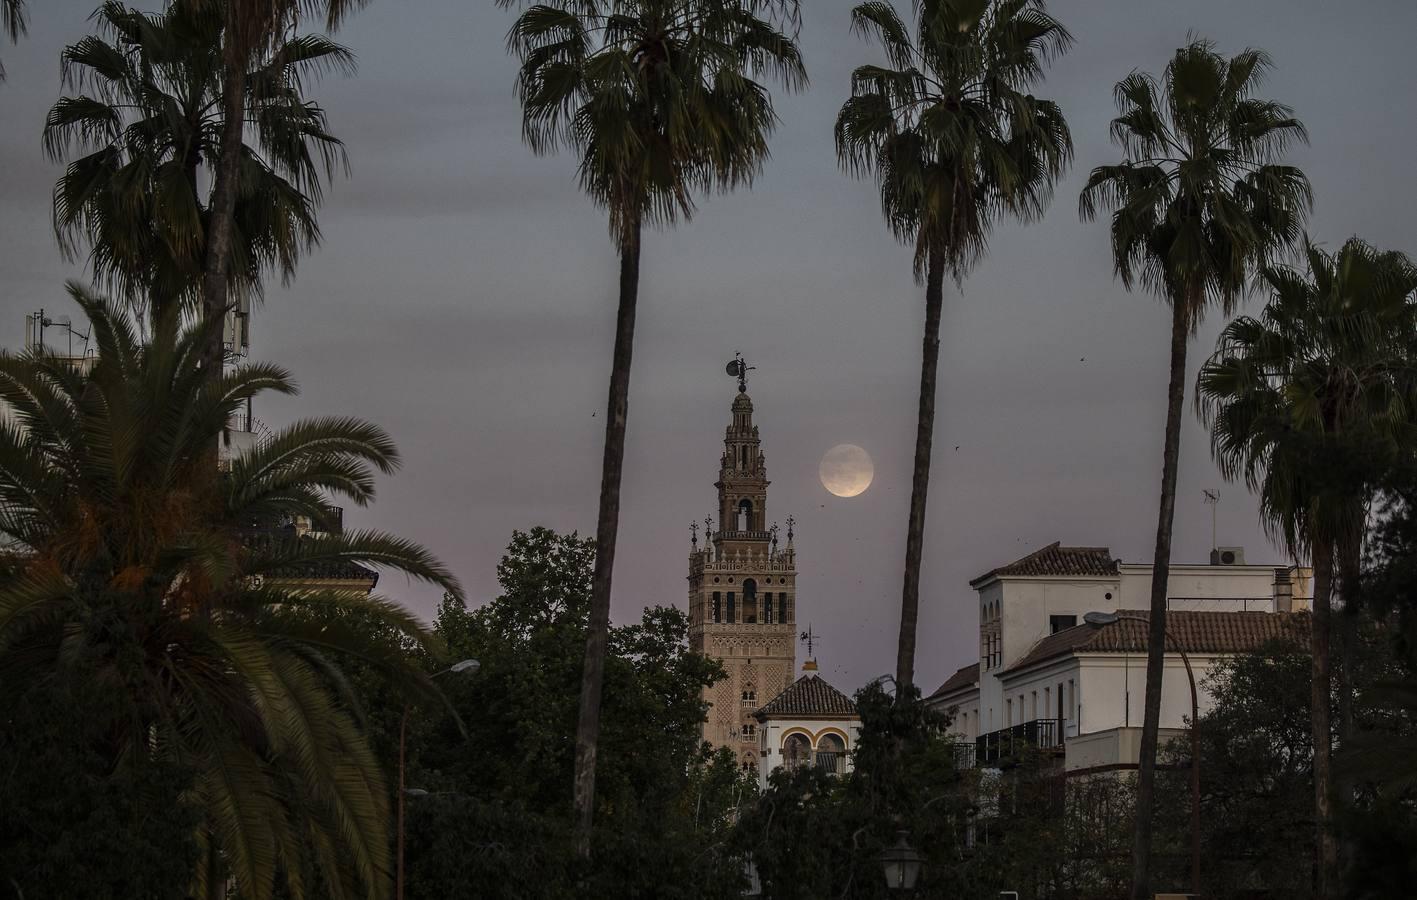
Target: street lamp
(1102,618)
(466,665)
(901,863)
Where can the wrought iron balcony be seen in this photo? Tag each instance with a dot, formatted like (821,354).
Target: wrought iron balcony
(1006,743)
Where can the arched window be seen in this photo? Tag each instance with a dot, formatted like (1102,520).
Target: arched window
(767,607)
(750,601)
(831,754)
(750,699)
(749,765)
(743,457)
(745,514)
(750,731)
(796,750)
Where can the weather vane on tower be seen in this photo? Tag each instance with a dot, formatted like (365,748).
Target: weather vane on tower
(740,368)
(810,639)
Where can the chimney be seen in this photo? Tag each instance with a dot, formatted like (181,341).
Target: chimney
(1283,590)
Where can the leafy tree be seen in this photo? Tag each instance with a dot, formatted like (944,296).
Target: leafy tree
(72,822)
(494,821)
(1256,770)
(1199,202)
(146,127)
(817,835)
(1309,403)
(659,100)
(954,140)
(132,557)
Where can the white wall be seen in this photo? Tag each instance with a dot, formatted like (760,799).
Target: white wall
(1108,681)
(1027,605)
(773,732)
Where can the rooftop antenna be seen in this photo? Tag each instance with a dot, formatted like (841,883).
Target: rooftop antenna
(739,367)
(1212,499)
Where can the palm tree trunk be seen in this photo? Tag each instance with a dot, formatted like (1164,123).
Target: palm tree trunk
(1321,728)
(593,672)
(220,220)
(920,485)
(1160,578)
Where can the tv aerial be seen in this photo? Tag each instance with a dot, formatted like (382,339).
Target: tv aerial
(739,368)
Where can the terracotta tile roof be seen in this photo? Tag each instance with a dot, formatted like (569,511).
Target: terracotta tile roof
(965,677)
(809,695)
(1196,631)
(1056,559)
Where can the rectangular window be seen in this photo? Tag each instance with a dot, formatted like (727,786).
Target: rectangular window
(1072,692)
(1009,711)
(1058,623)
(782,608)
(767,607)
(1033,705)
(750,609)
(731,604)
(717,611)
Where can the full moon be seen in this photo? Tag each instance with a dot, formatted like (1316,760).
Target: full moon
(846,470)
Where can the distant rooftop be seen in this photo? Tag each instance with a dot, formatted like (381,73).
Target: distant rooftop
(811,696)
(968,676)
(1195,631)
(1056,559)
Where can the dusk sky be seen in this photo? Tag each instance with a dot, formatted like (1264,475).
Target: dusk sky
(464,299)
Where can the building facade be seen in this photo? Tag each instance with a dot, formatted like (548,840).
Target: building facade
(743,592)
(1046,676)
(810,723)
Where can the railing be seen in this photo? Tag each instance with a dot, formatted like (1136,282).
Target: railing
(964,754)
(830,762)
(997,746)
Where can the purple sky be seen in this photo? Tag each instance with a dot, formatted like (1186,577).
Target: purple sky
(464,299)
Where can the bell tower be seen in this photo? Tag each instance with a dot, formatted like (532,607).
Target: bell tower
(742,589)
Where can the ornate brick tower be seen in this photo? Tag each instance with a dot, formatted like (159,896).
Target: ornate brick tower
(743,591)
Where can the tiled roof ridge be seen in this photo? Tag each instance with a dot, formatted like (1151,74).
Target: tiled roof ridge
(809,695)
(1201,631)
(1057,560)
(964,676)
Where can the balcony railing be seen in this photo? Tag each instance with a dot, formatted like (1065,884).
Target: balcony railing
(1004,744)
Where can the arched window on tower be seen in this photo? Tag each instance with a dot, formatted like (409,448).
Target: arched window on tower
(750,601)
(745,514)
(782,608)
(743,458)
(767,608)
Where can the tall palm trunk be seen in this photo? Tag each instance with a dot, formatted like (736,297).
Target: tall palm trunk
(225,185)
(593,672)
(1160,579)
(920,484)
(1321,728)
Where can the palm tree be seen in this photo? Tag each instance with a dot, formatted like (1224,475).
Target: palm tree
(250,28)
(658,99)
(1307,403)
(146,129)
(12,22)
(1198,203)
(954,141)
(126,553)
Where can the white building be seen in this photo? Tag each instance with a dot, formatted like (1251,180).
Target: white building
(810,723)
(1045,676)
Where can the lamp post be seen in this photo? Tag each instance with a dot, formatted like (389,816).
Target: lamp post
(1102,618)
(901,863)
(466,665)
